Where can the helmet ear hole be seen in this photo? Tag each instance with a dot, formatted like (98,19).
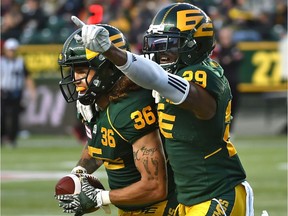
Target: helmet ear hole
(191,43)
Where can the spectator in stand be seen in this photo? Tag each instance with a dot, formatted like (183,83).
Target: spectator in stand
(280,16)
(122,19)
(69,8)
(11,20)
(33,15)
(142,18)
(244,15)
(264,22)
(14,79)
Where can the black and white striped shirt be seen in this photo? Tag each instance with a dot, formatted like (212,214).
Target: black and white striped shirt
(13,74)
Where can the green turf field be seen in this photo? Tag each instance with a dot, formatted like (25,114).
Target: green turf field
(29,173)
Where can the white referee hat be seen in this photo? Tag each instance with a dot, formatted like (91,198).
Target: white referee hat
(11,44)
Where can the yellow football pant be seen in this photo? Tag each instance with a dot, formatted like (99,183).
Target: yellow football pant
(164,208)
(235,205)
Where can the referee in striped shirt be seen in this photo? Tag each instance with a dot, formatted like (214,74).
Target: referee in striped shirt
(14,80)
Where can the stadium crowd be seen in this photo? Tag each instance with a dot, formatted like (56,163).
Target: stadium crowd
(48,21)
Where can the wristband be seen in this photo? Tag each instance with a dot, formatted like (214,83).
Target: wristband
(78,170)
(105,197)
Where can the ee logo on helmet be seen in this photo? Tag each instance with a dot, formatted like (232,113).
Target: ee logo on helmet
(190,19)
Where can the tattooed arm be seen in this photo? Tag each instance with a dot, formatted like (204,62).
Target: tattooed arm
(150,161)
(89,163)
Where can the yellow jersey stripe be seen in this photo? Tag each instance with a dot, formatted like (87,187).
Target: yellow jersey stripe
(215,152)
(93,150)
(108,115)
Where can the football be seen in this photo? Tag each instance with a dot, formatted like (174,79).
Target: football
(71,184)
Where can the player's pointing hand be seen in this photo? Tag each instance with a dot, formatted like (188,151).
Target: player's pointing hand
(94,38)
(77,21)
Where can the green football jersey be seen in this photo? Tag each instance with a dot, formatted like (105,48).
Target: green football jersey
(112,132)
(204,161)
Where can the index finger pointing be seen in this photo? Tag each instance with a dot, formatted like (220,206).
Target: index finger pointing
(77,21)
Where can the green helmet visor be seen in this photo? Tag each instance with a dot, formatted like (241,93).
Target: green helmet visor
(162,46)
(160,43)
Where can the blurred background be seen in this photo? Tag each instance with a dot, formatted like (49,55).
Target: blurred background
(252,40)
(251,46)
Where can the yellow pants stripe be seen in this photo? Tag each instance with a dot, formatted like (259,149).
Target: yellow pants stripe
(202,209)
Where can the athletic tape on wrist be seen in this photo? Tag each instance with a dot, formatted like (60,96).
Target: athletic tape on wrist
(105,197)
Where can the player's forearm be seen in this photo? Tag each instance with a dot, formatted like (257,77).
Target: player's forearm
(88,162)
(117,56)
(139,193)
(150,161)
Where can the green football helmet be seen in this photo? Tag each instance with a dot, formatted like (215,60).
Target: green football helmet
(75,54)
(182,29)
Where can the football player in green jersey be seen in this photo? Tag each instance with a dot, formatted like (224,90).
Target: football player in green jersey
(194,107)
(123,134)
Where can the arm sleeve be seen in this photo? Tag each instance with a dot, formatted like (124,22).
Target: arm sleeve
(150,75)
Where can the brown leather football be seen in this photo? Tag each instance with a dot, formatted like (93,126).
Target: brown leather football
(71,184)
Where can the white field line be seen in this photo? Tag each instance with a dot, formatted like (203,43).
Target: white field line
(283,166)
(8,175)
(20,175)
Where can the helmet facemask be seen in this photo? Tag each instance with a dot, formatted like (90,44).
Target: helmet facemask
(67,85)
(103,80)
(171,45)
